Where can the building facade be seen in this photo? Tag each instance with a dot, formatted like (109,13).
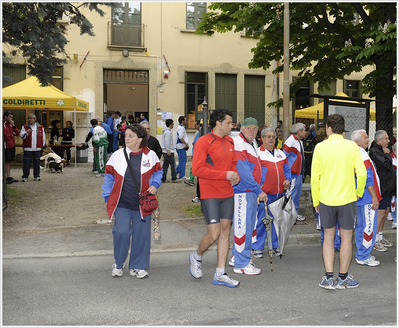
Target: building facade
(147,59)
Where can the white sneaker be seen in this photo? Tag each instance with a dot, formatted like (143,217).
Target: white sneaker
(385,243)
(389,216)
(196,200)
(232,261)
(184,178)
(249,270)
(117,272)
(139,273)
(300,218)
(224,279)
(99,175)
(393,226)
(195,267)
(371,261)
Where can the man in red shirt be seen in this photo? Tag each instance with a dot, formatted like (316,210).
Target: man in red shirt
(9,133)
(214,164)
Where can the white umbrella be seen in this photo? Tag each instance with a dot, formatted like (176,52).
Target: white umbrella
(284,213)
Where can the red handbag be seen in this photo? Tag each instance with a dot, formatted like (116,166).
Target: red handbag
(148,202)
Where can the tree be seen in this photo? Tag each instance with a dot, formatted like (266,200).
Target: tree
(328,41)
(34,30)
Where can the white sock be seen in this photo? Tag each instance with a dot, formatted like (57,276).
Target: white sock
(197,257)
(220,271)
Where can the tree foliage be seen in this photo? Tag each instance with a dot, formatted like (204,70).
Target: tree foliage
(328,41)
(34,30)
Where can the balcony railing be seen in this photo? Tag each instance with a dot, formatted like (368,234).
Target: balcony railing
(126,35)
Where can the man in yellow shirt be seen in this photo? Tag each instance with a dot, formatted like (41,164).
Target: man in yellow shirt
(335,194)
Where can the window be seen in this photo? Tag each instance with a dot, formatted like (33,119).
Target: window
(195,10)
(352,88)
(127,12)
(126,28)
(196,90)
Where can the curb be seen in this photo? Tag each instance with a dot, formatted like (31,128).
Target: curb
(293,240)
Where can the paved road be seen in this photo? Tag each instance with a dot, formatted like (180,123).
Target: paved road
(80,291)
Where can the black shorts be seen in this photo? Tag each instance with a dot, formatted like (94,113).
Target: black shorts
(385,203)
(9,155)
(346,215)
(218,208)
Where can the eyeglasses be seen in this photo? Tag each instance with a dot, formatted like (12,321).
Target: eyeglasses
(270,137)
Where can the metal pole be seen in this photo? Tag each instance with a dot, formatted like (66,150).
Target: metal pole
(205,116)
(286,81)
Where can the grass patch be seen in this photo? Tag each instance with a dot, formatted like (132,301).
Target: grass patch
(193,211)
(15,196)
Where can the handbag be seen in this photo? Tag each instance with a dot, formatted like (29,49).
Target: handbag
(148,202)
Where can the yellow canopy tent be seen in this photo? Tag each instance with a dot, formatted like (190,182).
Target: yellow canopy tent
(29,94)
(311,112)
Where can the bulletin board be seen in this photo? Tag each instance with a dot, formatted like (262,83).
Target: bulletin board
(161,119)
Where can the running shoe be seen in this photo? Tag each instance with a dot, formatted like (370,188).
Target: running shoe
(300,218)
(195,267)
(37,179)
(379,247)
(393,226)
(117,272)
(385,242)
(24,179)
(327,283)
(371,261)
(232,261)
(139,273)
(249,270)
(257,253)
(389,216)
(224,279)
(349,282)
(196,200)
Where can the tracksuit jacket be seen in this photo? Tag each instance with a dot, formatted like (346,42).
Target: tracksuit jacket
(292,149)
(9,133)
(151,175)
(275,170)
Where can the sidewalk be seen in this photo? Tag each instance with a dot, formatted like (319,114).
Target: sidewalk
(96,239)
(70,235)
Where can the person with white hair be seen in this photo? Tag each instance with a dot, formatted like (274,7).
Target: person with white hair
(293,149)
(34,140)
(367,206)
(380,154)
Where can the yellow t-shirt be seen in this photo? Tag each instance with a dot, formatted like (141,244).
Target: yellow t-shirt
(335,162)
(280,144)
